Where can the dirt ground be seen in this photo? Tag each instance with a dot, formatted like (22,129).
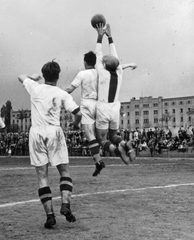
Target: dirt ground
(150,199)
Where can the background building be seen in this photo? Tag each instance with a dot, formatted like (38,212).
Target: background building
(149,112)
(21,120)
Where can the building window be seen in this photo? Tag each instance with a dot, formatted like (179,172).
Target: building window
(173,103)
(146,120)
(155,111)
(13,121)
(128,122)
(166,111)
(174,120)
(189,102)
(181,119)
(137,121)
(165,104)
(189,118)
(146,105)
(155,120)
(181,102)
(155,104)
(173,110)
(127,106)
(136,106)
(136,113)
(181,110)
(145,113)
(121,121)
(127,113)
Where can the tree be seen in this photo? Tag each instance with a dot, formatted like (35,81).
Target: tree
(23,114)
(166,117)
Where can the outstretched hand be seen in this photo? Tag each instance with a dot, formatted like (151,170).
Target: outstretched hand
(100,29)
(133,66)
(108,30)
(36,77)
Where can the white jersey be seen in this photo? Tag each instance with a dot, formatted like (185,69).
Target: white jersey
(46,103)
(109,83)
(88,80)
(2,124)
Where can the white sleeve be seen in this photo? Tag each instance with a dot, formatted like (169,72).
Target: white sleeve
(113,50)
(69,103)
(2,124)
(29,85)
(77,80)
(99,56)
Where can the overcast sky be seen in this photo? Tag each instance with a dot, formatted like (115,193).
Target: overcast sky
(158,35)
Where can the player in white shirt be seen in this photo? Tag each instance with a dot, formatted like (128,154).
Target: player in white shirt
(2,124)
(110,73)
(88,80)
(46,139)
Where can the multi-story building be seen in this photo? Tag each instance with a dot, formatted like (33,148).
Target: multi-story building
(21,120)
(149,112)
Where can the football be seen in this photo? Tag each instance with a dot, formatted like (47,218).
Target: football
(98,18)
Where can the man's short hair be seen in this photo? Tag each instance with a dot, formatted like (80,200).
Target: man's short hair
(50,71)
(111,62)
(90,58)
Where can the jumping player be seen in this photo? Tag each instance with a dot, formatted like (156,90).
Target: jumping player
(110,74)
(2,124)
(88,80)
(46,139)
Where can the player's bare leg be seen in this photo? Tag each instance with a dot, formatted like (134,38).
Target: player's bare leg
(127,146)
(66,187)
(118,150)
(94,147)
(45,195)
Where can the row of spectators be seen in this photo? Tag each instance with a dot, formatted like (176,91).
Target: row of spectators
(153,140)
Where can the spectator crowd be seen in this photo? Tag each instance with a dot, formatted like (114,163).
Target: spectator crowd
(152,140)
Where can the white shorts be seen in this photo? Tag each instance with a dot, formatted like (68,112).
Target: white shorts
(47,145)
(88,110)
(108,115)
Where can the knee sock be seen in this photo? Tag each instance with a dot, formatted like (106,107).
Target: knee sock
(66,188)
(95,150)
(45,196)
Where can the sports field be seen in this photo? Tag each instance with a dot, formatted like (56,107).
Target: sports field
(150,199)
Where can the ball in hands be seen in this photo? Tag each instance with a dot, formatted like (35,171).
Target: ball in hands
(98,19)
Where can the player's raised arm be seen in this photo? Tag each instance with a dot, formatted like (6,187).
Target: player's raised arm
(129,65)
(36,77)
(22,77)
(110,40)
(100,32)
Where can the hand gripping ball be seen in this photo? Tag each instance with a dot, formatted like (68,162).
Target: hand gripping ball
(96,19)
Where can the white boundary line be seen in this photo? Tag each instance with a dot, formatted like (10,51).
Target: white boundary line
(98,193)
(91,166)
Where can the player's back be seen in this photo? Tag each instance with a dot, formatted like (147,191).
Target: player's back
(109,84)
(88,80)
(46,103)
